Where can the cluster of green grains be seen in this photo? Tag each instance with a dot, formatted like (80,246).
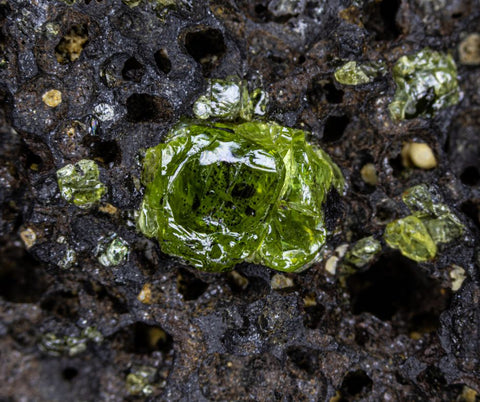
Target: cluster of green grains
(71,345)
(80,183)
(431,223)
(220,194)
(140,381)
(426,82)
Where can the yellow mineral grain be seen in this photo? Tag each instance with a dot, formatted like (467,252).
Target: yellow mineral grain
(52,98)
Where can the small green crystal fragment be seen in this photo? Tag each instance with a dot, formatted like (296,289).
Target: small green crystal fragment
(220,194)
(80,184)
(443,229)
(140,380)
(439,220)
(229,100)
(363,251)
(426,82)
(115,253)
(353,73)
(411,237)
(51,344)
(68,260)
(420,199)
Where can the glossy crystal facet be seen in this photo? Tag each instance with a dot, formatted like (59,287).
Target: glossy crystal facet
(218,195)
(426,82)
(353,73)
(79,183)
(430,224)
(229,99)
(411,237)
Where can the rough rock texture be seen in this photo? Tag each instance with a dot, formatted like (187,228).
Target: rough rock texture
(393,330)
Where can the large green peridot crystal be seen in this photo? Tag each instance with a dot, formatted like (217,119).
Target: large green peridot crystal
(426,82)
(220,194)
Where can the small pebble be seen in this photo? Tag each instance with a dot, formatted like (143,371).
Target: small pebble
(280,281)
(52,98)
(145,295)
(108,209)
(369,174)
(469,50)
(457,274)
(331,265)
(309,300)
(420,155)
(28,237)
(239,280)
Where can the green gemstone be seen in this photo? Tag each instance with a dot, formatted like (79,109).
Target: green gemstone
(411,237)
(229,99)
(353,73)
(426,82)
(420,199)
(363,251)
(115,253)
(220,194)
(438,218)
(80,183)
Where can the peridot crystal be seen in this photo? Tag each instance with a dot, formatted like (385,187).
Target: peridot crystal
(411,237)
(363,251)
(80,183)
(431,223)
(437,217)
(219,194)
(114,253)
(353,73)
(426,82)
(229,99)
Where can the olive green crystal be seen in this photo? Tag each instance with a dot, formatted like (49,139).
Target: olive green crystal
(220,194)
(431,223)
(229,99)
(411,237)
(426,82)
(80,183)
(437,217)
(114,253)
(353,73)
(363,251)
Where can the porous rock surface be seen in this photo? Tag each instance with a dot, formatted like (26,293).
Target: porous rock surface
(393,330)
